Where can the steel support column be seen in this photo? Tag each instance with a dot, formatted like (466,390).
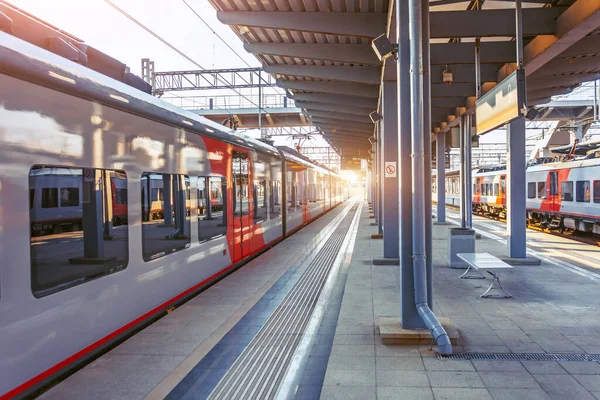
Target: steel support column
(440,144)
(390,184)
(409,318)
(466,209)
(516,188)
(381,174)
(427,147)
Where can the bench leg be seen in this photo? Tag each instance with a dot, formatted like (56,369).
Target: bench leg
(476,276)
(495,285)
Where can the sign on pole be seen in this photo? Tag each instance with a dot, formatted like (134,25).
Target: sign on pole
(502,104)
(390,169)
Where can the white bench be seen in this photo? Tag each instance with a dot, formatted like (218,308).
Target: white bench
(490,264)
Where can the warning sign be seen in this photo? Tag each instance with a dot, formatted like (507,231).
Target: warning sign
(88,175)
(390,169)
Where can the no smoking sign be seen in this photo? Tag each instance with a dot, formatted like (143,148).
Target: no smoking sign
(390,169)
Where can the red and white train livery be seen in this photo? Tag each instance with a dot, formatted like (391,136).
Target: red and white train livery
(156,203)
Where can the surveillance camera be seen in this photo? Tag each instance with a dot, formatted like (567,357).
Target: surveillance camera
(375,117)
(383,48)
(447,77)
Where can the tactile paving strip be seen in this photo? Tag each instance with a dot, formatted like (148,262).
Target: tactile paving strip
(257,372)
(523,357)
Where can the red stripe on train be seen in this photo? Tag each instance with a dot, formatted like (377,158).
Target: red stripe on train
(49,372)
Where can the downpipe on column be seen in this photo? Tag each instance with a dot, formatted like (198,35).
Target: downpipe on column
(418,192)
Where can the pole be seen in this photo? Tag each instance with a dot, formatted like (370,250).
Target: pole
(260,105)
(440,144)
(519,32)
(418,176)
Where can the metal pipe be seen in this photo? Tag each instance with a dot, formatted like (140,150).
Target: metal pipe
(596,101)
(477,67)
(462,174)
(468,171)
(418,175)
(519,32)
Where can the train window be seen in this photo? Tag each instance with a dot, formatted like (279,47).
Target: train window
(596,191)
(583,191)
(275,198)
(566,188)
(49,197)
(260,201)
(241,202)
(121,196)
(80,238)
(531,190)
(496,189)
(541,190)
(166,222)
(553,183)
(69,197)
(212,215)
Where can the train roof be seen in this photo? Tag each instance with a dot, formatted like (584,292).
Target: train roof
(292,155)
(28,62)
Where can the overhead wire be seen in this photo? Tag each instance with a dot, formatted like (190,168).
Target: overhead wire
(141,25)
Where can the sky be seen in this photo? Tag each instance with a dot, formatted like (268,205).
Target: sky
(101,26)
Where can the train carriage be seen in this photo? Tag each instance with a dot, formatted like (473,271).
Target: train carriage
(160,203)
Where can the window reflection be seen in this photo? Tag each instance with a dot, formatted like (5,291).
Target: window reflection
(77,233)
(212,218)
(165,214)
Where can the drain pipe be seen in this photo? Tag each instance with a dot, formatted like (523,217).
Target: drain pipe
(418,183)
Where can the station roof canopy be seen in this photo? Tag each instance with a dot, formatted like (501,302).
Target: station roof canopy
(320,52)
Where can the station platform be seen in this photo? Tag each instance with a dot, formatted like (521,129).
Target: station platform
(301,321)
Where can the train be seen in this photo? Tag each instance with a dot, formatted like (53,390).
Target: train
(563,193)
(134,207)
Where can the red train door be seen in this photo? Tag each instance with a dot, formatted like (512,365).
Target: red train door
(241,205)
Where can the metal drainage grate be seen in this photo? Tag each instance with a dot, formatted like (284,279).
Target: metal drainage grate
(523,357)
(258,371)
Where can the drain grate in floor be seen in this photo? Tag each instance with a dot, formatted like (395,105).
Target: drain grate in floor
(523,357)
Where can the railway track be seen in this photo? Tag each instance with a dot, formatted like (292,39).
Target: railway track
(581,237)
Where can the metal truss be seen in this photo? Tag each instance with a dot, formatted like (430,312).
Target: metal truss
(292,131)
(234,78)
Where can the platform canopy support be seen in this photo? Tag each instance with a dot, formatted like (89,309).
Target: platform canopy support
(516,189)
(440,144)
(390,174)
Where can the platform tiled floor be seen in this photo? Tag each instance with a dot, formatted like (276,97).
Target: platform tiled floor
(553,310)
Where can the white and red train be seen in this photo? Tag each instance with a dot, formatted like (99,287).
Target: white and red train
(66,292)
(560,194)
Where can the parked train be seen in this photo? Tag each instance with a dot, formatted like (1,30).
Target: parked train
(561,194)
(118,167)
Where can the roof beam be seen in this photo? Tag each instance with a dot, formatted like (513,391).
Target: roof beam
(453,90)
(340,116)
(464,53)
(344,88)
(465,73)
(368,75)
(447,102)
(336,99)
(340,133)
(535,83)
(343,124)
(486,23)
(347,53)
(335,127)
(368,25)
(570,65)
(574,24)
(334,108)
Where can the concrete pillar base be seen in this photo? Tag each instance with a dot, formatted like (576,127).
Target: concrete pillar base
(386,261)
(461,240)
(392,332)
